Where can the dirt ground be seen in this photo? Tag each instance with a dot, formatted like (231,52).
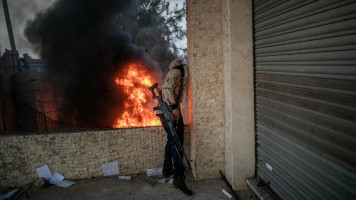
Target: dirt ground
(139,187)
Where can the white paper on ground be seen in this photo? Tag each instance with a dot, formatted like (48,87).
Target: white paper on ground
(125,178)
(56,178)
(227,194)
(44,172)
(65,183)
(170,181)
(154,172)
(9,194)
(110,169)
(161,180)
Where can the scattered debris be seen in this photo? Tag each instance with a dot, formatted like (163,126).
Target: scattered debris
(234,194)
(227,194)
(44,172)
(161,180)
(9,194)
(154,172)
(125,178)
(65,183)
(56,179)
(110,168)
(170,181)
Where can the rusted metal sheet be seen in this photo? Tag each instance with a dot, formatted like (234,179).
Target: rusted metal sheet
(305,76)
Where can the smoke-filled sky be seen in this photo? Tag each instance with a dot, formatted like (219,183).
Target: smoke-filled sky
(20,12)
(23,10)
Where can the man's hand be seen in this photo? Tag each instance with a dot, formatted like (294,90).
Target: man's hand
(175,114)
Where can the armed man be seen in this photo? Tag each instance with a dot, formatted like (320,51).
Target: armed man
(172,94)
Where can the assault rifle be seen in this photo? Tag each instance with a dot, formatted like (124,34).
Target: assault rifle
(167,113)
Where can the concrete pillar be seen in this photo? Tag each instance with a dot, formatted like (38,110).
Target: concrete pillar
(239,95)
(220,88)
(205,22)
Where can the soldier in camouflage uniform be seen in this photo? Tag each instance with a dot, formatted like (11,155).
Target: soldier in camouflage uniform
(172,94)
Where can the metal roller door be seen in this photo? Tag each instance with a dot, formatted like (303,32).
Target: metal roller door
(305,79)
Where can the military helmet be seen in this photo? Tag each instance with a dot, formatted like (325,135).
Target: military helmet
(176,63)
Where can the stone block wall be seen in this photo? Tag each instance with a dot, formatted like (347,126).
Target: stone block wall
(206,36)
(80,154)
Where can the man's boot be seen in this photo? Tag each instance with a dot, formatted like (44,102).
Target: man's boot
(180,184)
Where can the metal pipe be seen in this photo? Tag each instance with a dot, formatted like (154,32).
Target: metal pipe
(8,23)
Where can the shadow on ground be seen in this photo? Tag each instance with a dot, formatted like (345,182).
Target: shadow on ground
(139,187)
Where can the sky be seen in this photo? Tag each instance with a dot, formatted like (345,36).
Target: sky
(23,10)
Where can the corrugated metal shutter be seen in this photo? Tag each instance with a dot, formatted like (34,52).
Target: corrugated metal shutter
(305,65)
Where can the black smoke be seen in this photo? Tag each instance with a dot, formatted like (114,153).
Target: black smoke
(85,45)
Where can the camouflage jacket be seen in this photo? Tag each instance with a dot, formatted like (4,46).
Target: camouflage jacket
(173,87)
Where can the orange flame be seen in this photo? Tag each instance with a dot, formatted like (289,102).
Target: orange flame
(135,83)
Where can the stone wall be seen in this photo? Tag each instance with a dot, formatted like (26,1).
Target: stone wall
(206,21)
(81,154)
